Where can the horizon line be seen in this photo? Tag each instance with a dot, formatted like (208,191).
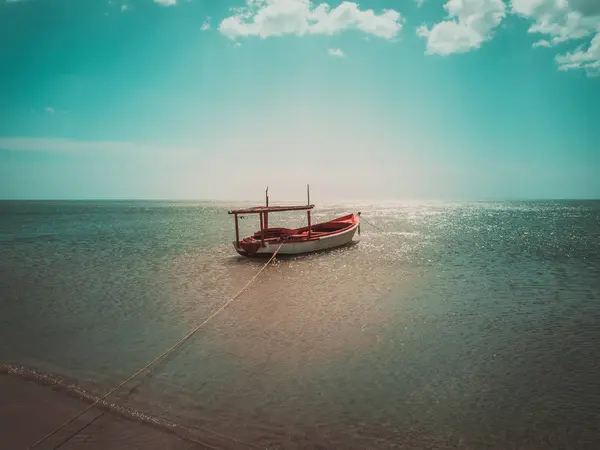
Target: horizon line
(291,201)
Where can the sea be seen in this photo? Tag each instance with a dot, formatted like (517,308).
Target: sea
(471,325)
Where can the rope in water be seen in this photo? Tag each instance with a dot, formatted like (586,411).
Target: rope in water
(158,358)
(362,219)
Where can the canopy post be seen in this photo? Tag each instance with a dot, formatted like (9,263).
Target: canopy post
(262,230)
(267,205)
(237,232)
(308,212)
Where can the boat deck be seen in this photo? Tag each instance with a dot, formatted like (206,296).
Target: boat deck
(316,231)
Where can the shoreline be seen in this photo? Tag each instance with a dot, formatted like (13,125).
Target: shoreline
(33,407)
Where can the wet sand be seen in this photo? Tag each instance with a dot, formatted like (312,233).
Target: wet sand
(30,410)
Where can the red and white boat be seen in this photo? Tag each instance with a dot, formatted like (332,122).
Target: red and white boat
(293,241)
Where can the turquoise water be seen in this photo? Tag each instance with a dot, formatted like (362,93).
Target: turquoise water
(453,325)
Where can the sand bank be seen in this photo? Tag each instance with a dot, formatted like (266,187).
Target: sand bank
(29,411)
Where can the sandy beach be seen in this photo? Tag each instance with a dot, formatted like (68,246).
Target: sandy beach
(30,410)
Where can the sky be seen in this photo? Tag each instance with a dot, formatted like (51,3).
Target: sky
(373,100)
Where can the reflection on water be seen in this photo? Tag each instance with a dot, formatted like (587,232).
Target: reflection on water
(301,307)
(468,325)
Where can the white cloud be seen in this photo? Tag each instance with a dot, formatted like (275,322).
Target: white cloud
(59,145)
(266,18)
(336,52)
(471,23)
(589,59)
(542,43)
(420,3)
(206,24)
(166,2)
(124,7)
(50,109)
(562,21)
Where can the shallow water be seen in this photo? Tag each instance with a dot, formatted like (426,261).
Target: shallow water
(453,325)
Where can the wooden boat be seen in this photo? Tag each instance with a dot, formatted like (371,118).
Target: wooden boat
(293,241)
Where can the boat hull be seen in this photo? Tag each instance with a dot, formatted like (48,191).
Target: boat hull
(314,244)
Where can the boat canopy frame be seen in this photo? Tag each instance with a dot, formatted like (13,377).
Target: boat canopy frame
(268,209)
(264,211)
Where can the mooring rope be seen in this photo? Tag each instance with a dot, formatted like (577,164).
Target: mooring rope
(158,358)
(362,219)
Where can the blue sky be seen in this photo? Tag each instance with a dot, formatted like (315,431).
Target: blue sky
(381,99)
